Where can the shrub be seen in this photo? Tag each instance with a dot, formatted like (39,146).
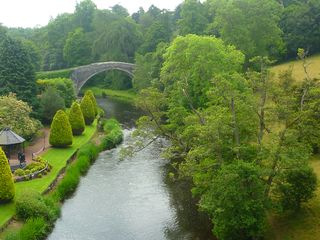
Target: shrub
(50,103)
(60,132)
(298,186)
(30,204)
(114,135)
(7,190)
(69,183)
(87,108)
(19,172)
(76,119)
(94,101)
(65,73)
(34,229)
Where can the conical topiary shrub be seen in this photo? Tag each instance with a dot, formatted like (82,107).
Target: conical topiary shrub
(76,119)
(94,101)
(7,191)
(60,132)
(87,109)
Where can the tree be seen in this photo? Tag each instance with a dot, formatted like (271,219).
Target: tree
(120,11)
(236,202)
(250,25)
(50,103)
(84,14)
(60,131)
(7,190)
(93,100)
(190,64)
(16,71)
(192,18)
(77,50)
(15,114)
(301,26)
(298,186)
(76,119)
(87,109)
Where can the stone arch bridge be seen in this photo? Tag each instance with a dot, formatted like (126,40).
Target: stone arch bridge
(81,75)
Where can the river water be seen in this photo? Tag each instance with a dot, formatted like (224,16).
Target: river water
(130,199)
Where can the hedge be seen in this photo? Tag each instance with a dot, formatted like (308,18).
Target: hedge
(7,190)
(65,73)
(94,101)
(60,131)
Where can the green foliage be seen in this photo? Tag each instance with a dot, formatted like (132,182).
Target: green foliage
(15,114)
(16,71)
(33,229)
(94,101)
(32,204)
(76,119)
(50,103)
(88,109)
(7,190)
(298,186)
(114,134)
(250,25)
(69,183)
(299,31)
(65,73)
(236,202)
(60,131)
(192,18)
(77,50)
(190,64)
(64,86)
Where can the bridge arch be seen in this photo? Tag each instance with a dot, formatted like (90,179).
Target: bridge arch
(81,75)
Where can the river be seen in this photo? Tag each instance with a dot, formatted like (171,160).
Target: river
(130,199)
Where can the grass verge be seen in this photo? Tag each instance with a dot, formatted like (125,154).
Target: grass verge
(58,159)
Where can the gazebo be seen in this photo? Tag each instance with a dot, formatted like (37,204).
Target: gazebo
(9,140)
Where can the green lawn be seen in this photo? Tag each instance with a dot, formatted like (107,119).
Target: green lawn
(297,69)
(57,158)
(126,95)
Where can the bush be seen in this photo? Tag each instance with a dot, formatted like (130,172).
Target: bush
(31,204)
(65,73)
(34,229)
(76,119)
(69,183)
(88,111)
(94,101)
(7,190)
(60,132)
(114,135)
(19,172)
(50,103)
(298,187)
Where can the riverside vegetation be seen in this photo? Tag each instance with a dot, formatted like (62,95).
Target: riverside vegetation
(205,79)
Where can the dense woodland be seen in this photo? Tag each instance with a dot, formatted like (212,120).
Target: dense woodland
(240,134)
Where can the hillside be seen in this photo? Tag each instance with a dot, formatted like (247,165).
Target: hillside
(298,72)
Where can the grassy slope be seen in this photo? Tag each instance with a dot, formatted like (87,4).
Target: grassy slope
(298,72)
(57,158)
(302,225)
(306,223)
(127,95)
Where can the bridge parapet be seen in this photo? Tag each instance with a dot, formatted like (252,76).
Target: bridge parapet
(81,75)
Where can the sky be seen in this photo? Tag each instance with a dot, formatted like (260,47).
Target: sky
(32,13)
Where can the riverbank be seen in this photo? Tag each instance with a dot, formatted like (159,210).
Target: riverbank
(65,188)
(58,159)
(124,95)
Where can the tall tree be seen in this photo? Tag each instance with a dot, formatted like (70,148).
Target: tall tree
(84,14)
(16,71)
(77,50)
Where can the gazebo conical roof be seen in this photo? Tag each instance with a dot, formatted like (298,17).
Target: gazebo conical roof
(8,137)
